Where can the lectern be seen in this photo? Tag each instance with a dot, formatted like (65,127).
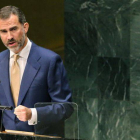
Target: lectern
(6,136)
(50,126)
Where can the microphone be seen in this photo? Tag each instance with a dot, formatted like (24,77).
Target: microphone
(3,108)
(6,107)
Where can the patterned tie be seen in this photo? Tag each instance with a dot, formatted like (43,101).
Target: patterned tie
(15,79)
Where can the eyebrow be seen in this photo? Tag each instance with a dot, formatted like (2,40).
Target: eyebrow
(2,30)
(14,27)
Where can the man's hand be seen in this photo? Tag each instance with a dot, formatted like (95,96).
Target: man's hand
(23,113)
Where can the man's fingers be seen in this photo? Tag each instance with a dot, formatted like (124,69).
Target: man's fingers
(23,113)
(17,113)
(20,108)
(21,118)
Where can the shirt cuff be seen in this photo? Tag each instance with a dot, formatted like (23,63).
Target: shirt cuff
(33,120)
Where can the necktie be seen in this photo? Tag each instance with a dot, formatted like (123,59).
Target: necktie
(15,79)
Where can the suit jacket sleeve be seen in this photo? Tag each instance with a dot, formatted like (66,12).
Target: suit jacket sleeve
(59,91)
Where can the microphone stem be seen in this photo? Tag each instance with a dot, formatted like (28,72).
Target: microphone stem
(1,119)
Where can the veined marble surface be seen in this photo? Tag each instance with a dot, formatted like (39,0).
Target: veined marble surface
(102,45)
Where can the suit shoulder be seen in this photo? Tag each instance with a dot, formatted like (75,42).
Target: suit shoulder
(49,54)
(45,54)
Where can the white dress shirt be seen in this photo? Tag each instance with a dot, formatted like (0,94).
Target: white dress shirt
(23,56)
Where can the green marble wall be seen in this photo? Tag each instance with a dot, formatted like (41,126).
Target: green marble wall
(102,46)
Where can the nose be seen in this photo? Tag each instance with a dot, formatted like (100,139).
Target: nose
(9,36)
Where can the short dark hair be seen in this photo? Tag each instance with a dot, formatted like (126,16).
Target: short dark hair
(6,12)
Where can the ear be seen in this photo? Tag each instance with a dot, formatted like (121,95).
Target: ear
(26,27)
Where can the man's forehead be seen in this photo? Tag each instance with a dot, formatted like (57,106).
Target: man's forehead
(10,22)
(10,17)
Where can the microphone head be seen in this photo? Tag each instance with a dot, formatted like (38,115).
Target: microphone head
(6,107)
(10,107)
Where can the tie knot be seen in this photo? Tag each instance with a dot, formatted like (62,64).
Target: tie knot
(16,56)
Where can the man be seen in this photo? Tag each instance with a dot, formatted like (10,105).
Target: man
(29,74)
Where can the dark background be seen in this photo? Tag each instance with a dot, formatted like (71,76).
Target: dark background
(46,20)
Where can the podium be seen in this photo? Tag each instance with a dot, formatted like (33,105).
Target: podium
(60,122)
(7,136)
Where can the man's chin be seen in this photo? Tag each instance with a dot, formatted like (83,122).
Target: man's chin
(14,49)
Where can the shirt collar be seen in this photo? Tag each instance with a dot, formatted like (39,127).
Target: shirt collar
(24,52)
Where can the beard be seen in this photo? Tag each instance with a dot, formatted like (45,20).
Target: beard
(19,46)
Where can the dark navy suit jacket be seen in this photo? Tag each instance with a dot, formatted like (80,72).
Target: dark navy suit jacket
(44,80)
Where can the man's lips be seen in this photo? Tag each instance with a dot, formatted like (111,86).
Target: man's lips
(11,43)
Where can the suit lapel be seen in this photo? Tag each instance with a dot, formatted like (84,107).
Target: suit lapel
(31,69)
(4,77)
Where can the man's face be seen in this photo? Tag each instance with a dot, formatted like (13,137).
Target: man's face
(13,33)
